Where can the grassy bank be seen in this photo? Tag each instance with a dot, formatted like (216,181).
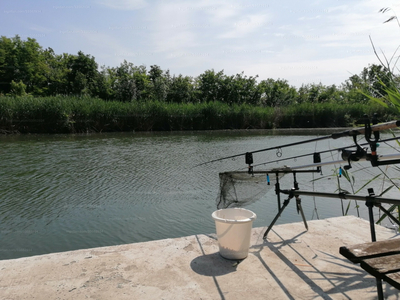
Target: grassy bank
(84,114)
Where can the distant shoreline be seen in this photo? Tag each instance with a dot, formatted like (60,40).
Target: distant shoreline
(52,115)
(277,131)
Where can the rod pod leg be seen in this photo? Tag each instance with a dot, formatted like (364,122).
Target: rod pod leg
(370,205)
(285,203)
(300,210)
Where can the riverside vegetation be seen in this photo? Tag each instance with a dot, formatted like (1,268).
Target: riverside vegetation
(42,92)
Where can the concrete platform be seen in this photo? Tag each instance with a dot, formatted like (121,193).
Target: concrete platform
(291,264)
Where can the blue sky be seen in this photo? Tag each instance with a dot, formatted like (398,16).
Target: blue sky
(300,41)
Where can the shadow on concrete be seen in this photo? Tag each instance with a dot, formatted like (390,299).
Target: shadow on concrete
(256,251)
(213,265)
(341,283)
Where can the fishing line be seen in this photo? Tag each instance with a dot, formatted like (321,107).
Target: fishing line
(315,203)
(391,180)
(383,181)
(391,146)
(338,181)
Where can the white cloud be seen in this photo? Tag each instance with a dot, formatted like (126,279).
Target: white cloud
(327,71)
(107,49)
(314,42)
(42,29)
(309,18)
(172,29)
(245,25)
(272,39)
(124,4)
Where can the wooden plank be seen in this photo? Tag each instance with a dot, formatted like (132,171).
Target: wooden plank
(393,279)
(356,253)
(379,266)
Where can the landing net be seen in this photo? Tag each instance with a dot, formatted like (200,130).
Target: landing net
(238,189)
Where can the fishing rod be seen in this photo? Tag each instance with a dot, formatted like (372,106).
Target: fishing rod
(343,196)
(352,132)
(383,159)
(324,151)
(294,169)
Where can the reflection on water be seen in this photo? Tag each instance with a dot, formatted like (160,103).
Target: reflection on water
(67,192)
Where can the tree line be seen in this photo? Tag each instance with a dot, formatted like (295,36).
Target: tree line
(28,69)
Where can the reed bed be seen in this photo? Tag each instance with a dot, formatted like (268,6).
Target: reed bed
(84,114)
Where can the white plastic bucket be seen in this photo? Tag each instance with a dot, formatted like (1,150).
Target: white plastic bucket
(233,227)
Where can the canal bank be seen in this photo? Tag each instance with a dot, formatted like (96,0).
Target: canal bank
(291,264)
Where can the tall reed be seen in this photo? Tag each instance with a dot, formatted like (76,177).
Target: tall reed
(84,114)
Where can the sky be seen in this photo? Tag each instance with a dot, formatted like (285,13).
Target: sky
(315,41)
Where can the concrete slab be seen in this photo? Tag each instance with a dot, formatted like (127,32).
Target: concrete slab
(291,264)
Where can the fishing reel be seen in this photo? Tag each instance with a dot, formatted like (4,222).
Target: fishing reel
(373,142)
(349,155)
(372,137)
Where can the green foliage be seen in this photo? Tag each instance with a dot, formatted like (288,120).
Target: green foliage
(238,89)
(181,90)
(17,89)
(87,114)
(370,83)
(26,68)
(22,61)
(276,93)
(82,74)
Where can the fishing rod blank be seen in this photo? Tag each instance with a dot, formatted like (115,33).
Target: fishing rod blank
(294,169)
(353,133)
(344,196)
(324,151)
(382,158)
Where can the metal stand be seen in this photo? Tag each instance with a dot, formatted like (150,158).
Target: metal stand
(278,190)
(286,203)
(370,204)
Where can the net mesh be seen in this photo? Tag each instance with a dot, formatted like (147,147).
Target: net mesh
(238,189)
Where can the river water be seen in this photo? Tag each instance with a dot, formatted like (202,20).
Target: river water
(67,192)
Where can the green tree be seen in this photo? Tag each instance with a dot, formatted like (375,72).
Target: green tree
(352,88)
(58,72)
(22,61)
(8,61)
(319,93)
(331,93)
(375,77)
(240,89)
(181,89)
(160,81)
(276,92)
(82,75)
(372,81)
(123,82)
(210,86)
(126,82)
(17,88)
(104,87)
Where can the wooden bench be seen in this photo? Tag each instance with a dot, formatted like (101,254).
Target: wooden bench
(380,259)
